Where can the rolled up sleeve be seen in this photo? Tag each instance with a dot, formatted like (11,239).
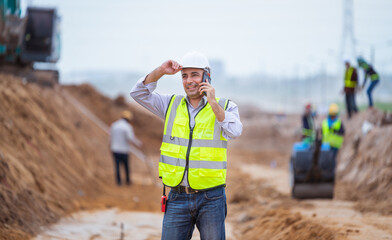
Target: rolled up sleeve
(145,96)
(231,125)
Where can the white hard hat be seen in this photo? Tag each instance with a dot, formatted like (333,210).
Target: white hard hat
(346,59)
(195,60)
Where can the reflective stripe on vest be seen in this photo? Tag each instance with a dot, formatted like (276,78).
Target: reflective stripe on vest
(202,149)
(347,78)
(329,136)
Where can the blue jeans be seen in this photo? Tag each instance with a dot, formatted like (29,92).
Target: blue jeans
(369,91)
(207,210)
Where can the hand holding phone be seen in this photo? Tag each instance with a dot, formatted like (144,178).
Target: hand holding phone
(206,78)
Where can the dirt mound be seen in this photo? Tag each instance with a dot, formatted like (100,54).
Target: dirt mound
(364,171)
(46,156)
(260,212)
(147,126)
(53,158)
(283,224)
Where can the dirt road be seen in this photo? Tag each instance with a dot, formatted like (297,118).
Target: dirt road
(334,214)
(338,216)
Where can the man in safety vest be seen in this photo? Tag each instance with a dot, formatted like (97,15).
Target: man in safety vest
(374,77)
(350,86)
(193,158)
(333,129)
(308,128)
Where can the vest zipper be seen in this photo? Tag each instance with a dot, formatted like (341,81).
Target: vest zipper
(188,151)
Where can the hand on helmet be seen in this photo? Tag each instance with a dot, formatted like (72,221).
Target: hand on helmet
(170,67)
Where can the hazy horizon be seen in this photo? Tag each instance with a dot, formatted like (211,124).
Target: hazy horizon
(278,38)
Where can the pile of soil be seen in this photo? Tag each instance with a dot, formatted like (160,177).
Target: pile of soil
(147,126)
(55,160)
(260,212)
(364,171)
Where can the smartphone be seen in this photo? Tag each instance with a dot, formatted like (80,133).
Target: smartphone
(206,77)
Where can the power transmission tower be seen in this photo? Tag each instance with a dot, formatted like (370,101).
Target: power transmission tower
(347,48)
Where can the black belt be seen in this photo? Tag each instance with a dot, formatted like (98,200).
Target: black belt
(187,190)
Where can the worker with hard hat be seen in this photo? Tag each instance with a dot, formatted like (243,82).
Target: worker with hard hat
(193,159)
(350,88)
(374,77)
(308,128)
(333,129)
(121,135)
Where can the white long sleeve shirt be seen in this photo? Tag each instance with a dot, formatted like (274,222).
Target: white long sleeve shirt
(158,103)
(121,135)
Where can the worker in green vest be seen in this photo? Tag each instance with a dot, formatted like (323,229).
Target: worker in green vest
(350,88)
(308,128)
(374,78)
(193,159)
(333,129)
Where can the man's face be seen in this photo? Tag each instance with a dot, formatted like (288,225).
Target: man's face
(191,78)
(347,64)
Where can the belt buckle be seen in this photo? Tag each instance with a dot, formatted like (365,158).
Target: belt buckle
(187,190)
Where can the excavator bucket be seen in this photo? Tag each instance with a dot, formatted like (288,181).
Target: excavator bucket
(312,171)
(41,38)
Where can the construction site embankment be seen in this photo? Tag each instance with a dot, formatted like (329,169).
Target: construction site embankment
(55,161)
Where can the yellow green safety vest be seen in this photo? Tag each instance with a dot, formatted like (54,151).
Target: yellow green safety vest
(329,135)
(347,78)
(202,150)
(374,75)
(309,134)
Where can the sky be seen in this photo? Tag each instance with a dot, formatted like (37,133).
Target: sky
(275,37)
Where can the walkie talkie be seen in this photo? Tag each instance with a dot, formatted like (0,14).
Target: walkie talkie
(163,200)
(206,78)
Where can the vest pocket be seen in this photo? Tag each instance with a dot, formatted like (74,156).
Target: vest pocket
(180,127)
(171,150)
(216,173)
(170,154)
(212,154)
(203,133)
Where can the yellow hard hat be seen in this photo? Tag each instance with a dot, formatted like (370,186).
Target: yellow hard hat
(127,115)
(333,109)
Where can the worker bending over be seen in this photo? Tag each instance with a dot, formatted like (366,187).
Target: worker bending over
(374,78)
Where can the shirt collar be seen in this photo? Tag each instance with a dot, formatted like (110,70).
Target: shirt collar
(202,102)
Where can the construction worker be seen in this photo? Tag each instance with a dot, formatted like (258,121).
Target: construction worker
(193,152)
(121,135)
(374,77)
(308,132)
(350,85)
(333,129)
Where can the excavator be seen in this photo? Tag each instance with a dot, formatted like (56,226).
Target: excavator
(29,41)
(312,169)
